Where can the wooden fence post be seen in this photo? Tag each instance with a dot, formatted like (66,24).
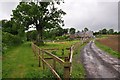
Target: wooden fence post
(43,58)
(39,58)
(54,64)
(33,47)
(70,52)
(66,69)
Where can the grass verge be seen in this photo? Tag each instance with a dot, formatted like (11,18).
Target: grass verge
(108,50)
(78,70)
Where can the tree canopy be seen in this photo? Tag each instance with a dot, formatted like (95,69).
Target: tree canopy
(40,15)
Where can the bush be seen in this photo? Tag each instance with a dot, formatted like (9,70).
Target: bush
(62,37)
(9,40)
(31,35)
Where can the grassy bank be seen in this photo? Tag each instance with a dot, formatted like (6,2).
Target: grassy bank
(108,50)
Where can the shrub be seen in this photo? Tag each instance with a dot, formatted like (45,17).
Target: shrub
(62,37)
(9,40)
(31,35)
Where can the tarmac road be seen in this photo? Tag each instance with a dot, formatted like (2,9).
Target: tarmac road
(99,64)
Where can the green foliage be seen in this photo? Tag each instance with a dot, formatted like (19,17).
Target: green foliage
(43,15)
(110,31)
(56,34)
(9,40)
(116,32)
(31,35)
(62,37)
(96,33)
(72,30)
(104,31)
(12,27)
(119,32)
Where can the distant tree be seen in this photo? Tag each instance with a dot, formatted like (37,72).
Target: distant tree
(72,30)
(78,31)
(85,29)
(65,31)
(43,15)
(95,33)
(110,31)
(119,32)
(100,31)
(104,31)
(115,32)
(59,31)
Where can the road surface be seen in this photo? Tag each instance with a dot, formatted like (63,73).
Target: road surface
(99,64)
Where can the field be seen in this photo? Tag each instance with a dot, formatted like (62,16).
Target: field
(20,62)
(110,44)
(111,41)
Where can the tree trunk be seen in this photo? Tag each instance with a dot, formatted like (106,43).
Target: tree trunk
(39,36)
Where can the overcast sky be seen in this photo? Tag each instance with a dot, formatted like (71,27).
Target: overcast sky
(93,14)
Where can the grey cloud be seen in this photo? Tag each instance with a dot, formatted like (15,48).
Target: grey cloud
(96,15)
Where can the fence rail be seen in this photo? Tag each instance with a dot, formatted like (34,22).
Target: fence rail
(66,63)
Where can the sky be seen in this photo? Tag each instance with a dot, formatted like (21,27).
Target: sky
(93,14)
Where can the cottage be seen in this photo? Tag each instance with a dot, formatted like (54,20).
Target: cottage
(88,34)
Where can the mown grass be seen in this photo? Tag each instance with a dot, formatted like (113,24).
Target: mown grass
(108,50)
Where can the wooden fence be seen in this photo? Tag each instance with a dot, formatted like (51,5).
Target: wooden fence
(66,63)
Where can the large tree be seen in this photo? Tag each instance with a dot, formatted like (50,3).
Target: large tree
(40,15)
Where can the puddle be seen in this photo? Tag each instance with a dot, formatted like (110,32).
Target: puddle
(94,66)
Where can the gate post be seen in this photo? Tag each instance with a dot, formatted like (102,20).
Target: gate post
(39,58)
(54,64)
(67,69)
(43,59)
